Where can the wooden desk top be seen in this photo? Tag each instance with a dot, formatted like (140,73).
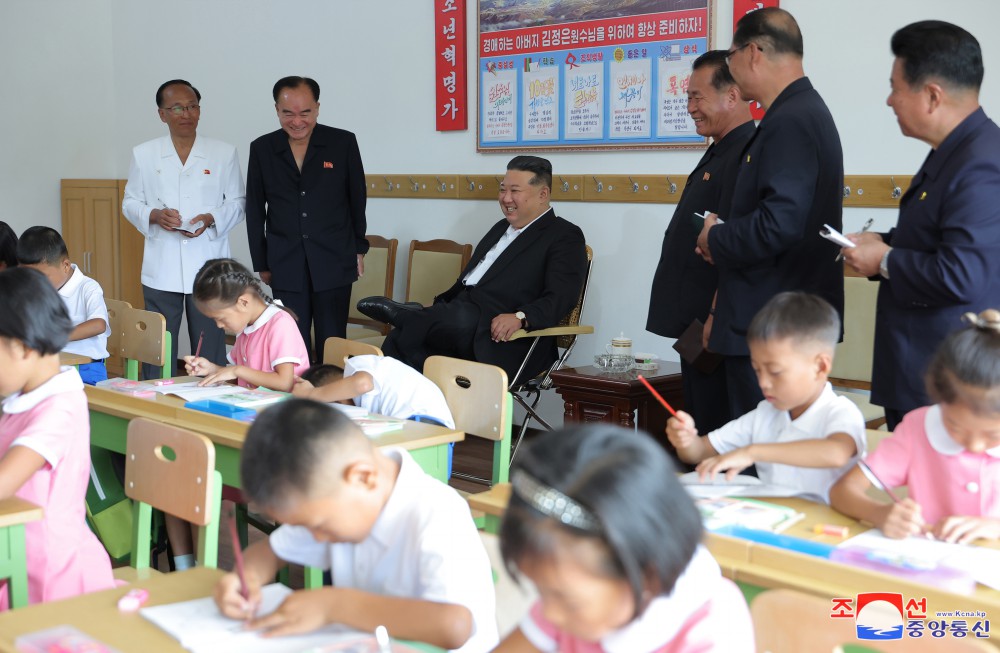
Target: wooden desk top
(14,511)
(65,358)
(231,433)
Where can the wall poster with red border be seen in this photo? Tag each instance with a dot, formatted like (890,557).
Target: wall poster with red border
(588,74)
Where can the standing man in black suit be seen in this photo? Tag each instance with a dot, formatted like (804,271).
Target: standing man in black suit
(789,185)
(684,284)
(306,223)
(526,272)
(943,257)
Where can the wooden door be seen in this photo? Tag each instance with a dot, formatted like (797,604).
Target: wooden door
(91,211)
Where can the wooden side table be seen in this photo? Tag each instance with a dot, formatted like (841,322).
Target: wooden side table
(592,395)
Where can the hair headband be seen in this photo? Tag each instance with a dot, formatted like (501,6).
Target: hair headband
(553,503)
(988,320)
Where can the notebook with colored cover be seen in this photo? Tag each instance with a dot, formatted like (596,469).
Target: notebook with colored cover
(748,513)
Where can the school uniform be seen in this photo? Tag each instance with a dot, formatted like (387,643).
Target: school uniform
(84,300)
(704,612)
(938,472)
(424,545)
(399,390)
(829,414)
(271,340)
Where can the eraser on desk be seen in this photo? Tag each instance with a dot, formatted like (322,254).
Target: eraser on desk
(163,382)
(132,601)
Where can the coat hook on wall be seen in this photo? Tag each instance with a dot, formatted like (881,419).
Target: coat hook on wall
(600,186)
(389,183)
(441,185)
(416,186)
(635,185)
(671,186)
(472,184)
(897,192)
(847,191)
(565,184)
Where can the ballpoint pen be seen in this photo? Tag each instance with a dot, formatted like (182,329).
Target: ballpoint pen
(866,227)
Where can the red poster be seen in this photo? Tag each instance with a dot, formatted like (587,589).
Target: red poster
(740,9)
(451,99)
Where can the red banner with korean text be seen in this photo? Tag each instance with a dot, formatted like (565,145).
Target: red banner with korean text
(450,66)
(740,9)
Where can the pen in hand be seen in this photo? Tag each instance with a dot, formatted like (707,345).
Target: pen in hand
(866,227)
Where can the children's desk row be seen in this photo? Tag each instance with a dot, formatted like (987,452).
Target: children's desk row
(111,411)
(97,614)
(759,566)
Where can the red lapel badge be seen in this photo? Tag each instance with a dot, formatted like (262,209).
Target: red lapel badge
(706,176)
(327,164)
(207,171)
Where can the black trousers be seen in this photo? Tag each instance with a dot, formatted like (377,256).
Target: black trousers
(172,305)
(444,329)
(328,309)
(706,397)
(742,387)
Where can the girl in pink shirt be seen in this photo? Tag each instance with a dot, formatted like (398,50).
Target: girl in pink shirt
(599,523)
(45,440)
(269,351)
(948,454)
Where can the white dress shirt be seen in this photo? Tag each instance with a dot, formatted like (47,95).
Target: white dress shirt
(84,299)
(506,239)
(210,181)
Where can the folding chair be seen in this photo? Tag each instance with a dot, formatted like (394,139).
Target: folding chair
(380,270)
(173,470)
(565,333)
(433,267)
(336,351)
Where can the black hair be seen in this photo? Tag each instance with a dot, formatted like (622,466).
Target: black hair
(721,77)
(32,311)
(41,245)
(294,81)
(287,445)
(8,245)
(934,49)
(541,169)
(320,375)
(648,524)
(969,359)
(223,280)
(179,82)
(772,29)
(796,315)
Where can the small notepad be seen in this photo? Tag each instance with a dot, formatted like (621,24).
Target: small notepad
(835,236)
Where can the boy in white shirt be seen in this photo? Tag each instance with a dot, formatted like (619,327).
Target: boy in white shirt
(802,435)
(381,385)
(401,546)
(43,249)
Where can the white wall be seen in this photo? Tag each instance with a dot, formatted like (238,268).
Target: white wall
(374,62)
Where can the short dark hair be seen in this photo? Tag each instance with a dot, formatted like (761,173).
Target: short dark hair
(721,77)
(648,524)
(294,81)
(934,49)
(8,245)
(179,82)
(771,28)
(969,359)
(540,168)
(796,315)
(41,245)
(320,375)
(287,446)
(32,311)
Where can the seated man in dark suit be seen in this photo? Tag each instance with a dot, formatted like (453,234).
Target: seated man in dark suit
(526,272)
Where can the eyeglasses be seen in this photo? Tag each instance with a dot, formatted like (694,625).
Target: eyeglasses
(178,109)
(732,52)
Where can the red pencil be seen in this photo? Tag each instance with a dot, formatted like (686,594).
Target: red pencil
(238,555)
(657,395)
(197,351)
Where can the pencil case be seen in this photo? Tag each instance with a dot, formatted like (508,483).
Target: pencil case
(223,409)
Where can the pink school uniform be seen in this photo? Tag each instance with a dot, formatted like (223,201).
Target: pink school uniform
(940,475)
(64,557)
(272,339)
(705,612)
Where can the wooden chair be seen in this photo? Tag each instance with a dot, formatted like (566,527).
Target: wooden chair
(481,406)
(787,621)
(173,470)
(566,333)
(433,267)
(336,351)
(14,514)
(852,365)
(145,339)
(380,270)
(116,311)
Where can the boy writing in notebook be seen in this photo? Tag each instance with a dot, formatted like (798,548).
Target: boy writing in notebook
(43,248)
(802,435)
(401,547)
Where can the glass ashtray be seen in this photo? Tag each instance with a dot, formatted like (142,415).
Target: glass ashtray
(613,363)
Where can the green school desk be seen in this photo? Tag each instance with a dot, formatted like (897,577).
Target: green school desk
(97,614)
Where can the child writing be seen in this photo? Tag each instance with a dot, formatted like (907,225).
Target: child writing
(43,249)
(599,523)
(802,435)
(948,454)
(401,546)
(269,351)
(45,440)
(381,385)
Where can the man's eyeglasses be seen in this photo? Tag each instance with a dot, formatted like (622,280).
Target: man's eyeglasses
(732,52)
(178,109)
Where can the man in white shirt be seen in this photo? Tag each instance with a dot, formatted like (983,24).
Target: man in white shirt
(525,273)
(185,193)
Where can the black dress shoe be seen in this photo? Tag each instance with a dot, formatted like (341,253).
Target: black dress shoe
(385,310)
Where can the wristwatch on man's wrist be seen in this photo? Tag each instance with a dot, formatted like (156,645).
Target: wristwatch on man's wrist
(524,319)
(883,266)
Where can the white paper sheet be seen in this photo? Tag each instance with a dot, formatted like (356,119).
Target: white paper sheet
(835,236)
(741,486)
